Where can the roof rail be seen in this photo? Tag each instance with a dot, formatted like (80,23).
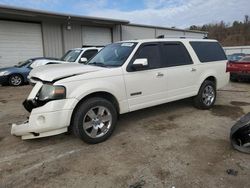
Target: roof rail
(95,46)
(181,37)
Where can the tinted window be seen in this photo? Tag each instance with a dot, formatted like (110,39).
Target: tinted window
(208,51)
(151,53)
(89,53)
(175,54)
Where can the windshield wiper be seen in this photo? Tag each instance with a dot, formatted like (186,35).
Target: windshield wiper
(98,64)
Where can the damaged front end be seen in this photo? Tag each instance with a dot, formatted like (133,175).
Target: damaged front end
(50,112)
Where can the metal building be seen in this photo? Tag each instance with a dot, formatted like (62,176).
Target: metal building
(236,49)
(26,33)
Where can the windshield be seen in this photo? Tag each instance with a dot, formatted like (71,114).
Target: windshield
(71,55)
(113,55)
(245,59)
(23,63)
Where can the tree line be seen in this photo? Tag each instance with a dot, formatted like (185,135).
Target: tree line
(235,34)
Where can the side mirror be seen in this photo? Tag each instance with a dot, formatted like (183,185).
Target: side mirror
(139,64)
(83,60)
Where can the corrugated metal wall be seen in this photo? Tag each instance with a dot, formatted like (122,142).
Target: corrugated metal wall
(96,36)
(194,35)
(52,40)
(237,49)
(57,39)
(116,33)
(140,32)
(170,33)
(72,38)
(135,32)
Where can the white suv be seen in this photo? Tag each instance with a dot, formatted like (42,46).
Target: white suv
(75,55)
(123,77)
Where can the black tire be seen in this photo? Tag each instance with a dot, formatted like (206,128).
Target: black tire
(81,113)
(199,100)
(15,80)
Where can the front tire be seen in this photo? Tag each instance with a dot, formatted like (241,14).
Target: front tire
(94,120)
(15,80)
(206,96)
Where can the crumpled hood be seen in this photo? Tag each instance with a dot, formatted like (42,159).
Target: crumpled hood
(51,73)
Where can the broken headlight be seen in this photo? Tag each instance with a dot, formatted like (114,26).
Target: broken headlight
(51,92)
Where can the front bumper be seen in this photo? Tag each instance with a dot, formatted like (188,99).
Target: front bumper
(42,125)
(50,119)
(3,79)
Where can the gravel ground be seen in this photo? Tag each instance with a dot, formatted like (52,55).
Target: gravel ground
(168,145)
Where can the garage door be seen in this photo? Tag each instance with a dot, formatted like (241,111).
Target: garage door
(19,41)
(96,36)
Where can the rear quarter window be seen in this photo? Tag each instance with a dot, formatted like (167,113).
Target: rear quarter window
(208,51)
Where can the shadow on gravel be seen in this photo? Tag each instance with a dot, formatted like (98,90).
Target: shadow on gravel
(240,103)
(234,112)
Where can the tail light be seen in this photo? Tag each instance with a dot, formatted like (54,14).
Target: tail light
(228,65)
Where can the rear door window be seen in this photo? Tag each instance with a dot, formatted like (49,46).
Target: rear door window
(175,54)
(208,51)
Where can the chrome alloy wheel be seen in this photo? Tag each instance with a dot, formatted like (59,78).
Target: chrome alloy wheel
(97,122)
(208,95)
(16,80)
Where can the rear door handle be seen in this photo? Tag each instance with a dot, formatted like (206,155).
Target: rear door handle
(193,69)
(159,74)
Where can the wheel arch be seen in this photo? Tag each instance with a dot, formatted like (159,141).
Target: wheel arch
(102,94)
(19,74)
(210,77)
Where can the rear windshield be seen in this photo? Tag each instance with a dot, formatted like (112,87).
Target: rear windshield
(208,51)
(245,59)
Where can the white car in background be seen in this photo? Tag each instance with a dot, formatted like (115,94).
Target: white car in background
(123,77)
(76,55)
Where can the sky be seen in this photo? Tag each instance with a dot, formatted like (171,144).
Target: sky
(166,13)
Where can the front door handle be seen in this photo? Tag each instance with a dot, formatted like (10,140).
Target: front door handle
(159,74)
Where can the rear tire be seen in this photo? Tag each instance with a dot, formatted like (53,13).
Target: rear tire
(206,96)
(15,80)
(94,120)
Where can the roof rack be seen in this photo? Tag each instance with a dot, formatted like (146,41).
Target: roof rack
(181,37)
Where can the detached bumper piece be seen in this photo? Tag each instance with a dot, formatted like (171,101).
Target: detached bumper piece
(240,134)
(23,131)
(43,123)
